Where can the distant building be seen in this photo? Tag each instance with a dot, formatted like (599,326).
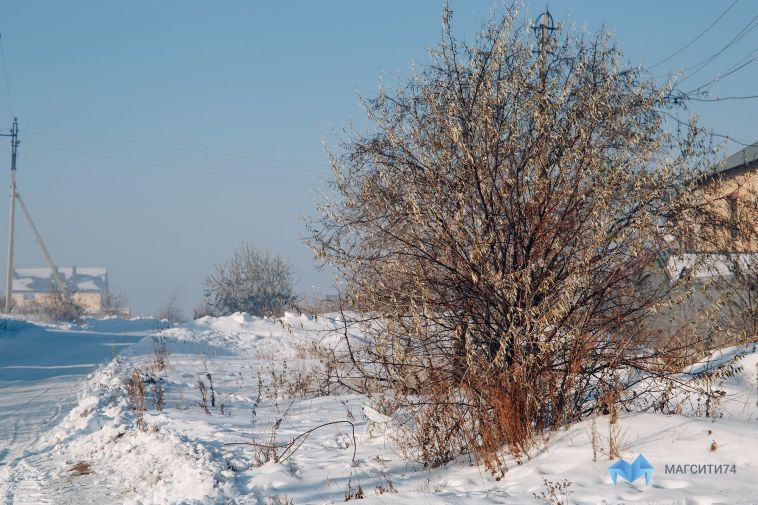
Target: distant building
(88,285)
(723,260)
(733,191)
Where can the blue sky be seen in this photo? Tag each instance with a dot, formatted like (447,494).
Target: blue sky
(156,136)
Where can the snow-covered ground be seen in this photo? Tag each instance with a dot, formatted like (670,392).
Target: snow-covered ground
(260,386)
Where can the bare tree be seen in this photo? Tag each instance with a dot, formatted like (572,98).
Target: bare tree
(201,310)
(253,281)
(115,303)
(496,227)
(171,311)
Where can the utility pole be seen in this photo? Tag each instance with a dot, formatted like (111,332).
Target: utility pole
(9,273)
(41,243)
(544,30)
(15,196)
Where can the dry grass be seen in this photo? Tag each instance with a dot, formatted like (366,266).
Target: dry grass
(203,396)
(555,493)
(353,492)
(595,438)
(386,485)
(278,500)
(160,354)
(136,395)
(159,399)
(212,390)
(81,468)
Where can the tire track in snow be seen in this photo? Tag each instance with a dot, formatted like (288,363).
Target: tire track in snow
(28,485)
(24,421)
(27,477)
(39,479)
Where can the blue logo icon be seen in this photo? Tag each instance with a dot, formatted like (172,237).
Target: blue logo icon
(631,472)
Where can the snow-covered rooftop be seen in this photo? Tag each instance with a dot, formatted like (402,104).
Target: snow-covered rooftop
(40,280)
(710,265)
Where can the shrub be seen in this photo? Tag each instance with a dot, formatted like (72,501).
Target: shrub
(61,306)
(136,393)
(115,303)
(253,281)
(201,310)
(497,226)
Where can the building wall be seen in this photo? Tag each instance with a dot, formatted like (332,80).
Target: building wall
(721,299)
(729,195)
(92,302)
(22,299)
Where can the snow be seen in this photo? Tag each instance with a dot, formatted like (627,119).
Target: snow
(708,265)
(40,280)
(185,455)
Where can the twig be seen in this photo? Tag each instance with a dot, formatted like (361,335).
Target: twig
(291,447)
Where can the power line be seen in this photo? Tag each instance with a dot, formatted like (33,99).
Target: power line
(122,140)
(215,159)
(736,67)
(707,61)
(731,71)
(723,98)
(739,64)
(745,30)
(172,167)
(696,38)
(706,131)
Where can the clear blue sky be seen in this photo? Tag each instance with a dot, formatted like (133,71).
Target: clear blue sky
(156,136)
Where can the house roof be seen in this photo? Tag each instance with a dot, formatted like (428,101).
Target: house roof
(710,265)
(739,162)
(40,280)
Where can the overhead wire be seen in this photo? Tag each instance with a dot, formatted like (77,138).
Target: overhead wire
(728,72)
(707,29)
(137,162)
(32,127)
(739,63)
(258,163)
(722,98)
(702,93)
(712,133)
(697,67)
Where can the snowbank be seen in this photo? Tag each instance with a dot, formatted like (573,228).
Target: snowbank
(239,379)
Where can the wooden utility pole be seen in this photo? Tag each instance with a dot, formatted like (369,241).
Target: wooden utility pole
(9,273)
(11,225)
(41,243)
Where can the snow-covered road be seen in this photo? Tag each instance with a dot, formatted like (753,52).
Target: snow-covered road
(41,371)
